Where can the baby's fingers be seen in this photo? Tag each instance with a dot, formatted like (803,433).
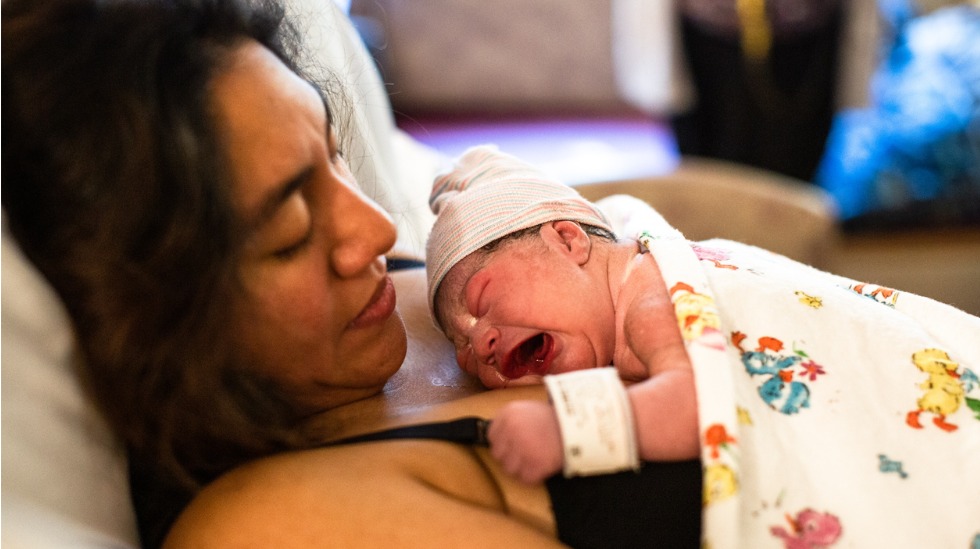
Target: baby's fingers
(522,465)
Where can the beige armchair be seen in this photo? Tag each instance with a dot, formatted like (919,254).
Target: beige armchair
(707,198)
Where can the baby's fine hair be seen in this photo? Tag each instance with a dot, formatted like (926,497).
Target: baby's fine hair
(591,230)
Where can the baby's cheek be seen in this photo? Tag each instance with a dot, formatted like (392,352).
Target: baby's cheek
(463,360)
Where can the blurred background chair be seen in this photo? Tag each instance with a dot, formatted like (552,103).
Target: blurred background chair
(708,198)
(590,90)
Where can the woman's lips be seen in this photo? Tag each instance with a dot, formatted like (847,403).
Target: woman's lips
(380,307)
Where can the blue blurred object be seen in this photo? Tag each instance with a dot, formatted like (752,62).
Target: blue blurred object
(913,158)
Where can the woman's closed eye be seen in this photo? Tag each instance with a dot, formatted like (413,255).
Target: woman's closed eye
(291,229)
(291,250)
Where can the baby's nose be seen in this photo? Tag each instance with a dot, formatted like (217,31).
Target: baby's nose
(485,345)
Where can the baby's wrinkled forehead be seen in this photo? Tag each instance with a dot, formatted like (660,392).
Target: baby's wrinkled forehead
(486,195)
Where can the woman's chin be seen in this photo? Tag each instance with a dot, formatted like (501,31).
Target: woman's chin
(372,358)
(394,341)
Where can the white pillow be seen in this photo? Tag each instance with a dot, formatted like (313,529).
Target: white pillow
(64,475)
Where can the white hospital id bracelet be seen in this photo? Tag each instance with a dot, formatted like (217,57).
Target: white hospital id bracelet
(596,421)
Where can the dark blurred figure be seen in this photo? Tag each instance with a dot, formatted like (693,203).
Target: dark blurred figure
(765,75)
(911,159)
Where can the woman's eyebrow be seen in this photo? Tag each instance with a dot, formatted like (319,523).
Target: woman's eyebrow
(278,195)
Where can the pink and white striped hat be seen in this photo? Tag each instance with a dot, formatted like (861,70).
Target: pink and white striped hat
(488,195)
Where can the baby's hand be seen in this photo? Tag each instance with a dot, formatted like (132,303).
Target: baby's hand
(525,439)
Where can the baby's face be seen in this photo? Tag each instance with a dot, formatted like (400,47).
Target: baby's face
(522,312)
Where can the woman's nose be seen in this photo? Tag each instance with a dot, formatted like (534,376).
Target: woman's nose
(362,231)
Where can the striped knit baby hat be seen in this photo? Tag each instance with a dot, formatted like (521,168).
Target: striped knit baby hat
(488,195)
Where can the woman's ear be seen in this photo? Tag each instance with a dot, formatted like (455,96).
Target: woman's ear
(569,238)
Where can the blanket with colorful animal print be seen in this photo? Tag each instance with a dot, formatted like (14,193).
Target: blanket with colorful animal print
(834,413)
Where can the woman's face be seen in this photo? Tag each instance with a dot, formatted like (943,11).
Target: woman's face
(318,314)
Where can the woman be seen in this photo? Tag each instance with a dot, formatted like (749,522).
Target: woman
(184,190)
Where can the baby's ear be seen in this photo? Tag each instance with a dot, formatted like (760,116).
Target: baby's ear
(570,238)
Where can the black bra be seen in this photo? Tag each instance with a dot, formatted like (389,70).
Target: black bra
(471,431)
(657,506)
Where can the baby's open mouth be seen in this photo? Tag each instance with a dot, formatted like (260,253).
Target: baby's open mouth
(533,356)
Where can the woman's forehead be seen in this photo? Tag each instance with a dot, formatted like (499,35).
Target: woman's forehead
(273,122)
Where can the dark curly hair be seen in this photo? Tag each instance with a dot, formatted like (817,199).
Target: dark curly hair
(117,186)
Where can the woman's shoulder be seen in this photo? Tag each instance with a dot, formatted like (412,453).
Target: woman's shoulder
(401,493)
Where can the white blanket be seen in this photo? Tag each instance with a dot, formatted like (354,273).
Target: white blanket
(833,413)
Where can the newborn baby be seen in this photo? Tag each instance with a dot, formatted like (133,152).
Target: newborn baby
(808,397)
(527,279)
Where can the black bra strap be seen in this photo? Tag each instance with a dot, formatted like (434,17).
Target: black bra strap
(467,430)
(401,263)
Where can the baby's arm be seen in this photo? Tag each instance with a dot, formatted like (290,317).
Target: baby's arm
(526,440)
(666,416)
(665,403)
(525,436)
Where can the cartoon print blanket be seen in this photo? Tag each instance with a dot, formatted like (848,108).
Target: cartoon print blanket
(833,413)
